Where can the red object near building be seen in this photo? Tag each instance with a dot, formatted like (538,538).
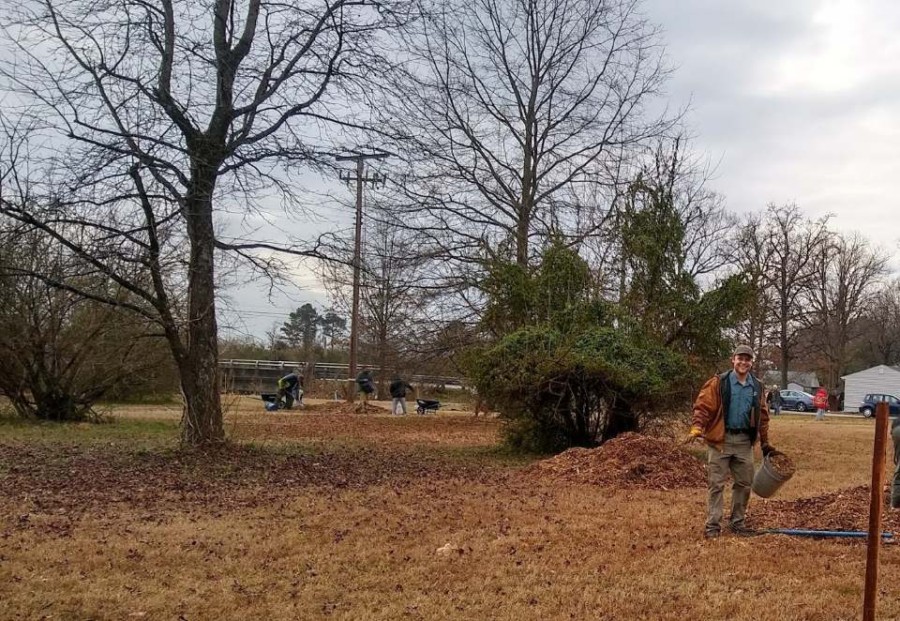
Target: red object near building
(820,400)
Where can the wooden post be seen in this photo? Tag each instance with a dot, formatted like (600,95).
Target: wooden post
(873,545)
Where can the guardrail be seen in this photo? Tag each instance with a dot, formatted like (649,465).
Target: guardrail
(244,375)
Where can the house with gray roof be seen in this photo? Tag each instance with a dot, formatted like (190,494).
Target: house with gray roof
(797,380)
(881,379)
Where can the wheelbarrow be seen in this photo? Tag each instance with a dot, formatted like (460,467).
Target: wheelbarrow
(272,401)
(423,406)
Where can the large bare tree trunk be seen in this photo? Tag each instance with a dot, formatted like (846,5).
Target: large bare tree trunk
(522,229)
(202,420)
(785,349)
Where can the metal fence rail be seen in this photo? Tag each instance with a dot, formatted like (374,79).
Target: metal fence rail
(242,375)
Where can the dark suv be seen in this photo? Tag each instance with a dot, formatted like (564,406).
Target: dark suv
(867,407)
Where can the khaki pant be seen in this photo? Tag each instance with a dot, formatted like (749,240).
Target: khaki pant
(736,458)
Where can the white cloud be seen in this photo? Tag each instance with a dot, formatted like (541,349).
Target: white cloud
(849,45)
(799,101)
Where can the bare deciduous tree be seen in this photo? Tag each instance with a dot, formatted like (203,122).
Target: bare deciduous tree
(390,293)
(166,122)
(59,352)
(840,294)
(510,108)
(880,339)
(795,244)
(751,253)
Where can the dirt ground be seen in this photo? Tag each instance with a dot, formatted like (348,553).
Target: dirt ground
(325,514)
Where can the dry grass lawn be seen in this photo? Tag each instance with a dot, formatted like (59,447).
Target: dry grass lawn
(335,516)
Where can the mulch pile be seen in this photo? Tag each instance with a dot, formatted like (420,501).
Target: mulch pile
(338,407)
(782,465)
(630,460)
(846,509)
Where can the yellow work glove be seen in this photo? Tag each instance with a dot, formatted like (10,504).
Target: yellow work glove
(694,433)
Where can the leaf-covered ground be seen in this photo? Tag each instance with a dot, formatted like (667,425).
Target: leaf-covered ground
(72,481)
(318,515)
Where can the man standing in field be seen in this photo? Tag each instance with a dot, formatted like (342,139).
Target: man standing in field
(775,400)
(398,389)
(730,413)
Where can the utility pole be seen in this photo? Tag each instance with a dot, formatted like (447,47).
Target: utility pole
(360,178)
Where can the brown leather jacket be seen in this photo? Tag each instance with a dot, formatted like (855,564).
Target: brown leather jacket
(709,411)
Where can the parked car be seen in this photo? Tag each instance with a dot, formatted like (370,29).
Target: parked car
(796,400)
(867,407)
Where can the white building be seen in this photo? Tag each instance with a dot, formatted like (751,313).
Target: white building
(882,379)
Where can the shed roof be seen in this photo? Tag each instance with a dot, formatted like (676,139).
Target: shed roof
(804,378)
(884,367)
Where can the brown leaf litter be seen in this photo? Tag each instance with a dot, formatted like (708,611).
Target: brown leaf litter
(638,461)
(844,509)
(342,407)
(76,480)
(629,460)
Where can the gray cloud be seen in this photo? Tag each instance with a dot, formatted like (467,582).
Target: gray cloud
(798,101)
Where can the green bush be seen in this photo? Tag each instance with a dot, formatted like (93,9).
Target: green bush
(565,368)
(558,390)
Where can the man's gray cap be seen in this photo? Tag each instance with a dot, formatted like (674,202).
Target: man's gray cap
(743,350)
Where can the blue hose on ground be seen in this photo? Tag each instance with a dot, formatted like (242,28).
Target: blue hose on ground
(803,532)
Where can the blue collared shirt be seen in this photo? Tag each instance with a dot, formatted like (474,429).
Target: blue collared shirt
(742,398)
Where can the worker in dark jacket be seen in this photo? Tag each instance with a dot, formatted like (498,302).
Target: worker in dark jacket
(775,401)
(730,414)
(398,390)
(366,384)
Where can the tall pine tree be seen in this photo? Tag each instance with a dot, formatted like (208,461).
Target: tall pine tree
(301,327)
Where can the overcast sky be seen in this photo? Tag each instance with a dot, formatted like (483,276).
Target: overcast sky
(795,100)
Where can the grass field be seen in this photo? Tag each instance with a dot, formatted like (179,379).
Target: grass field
(330,516)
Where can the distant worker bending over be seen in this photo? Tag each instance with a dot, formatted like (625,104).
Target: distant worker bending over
(366,385)
(290,388)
